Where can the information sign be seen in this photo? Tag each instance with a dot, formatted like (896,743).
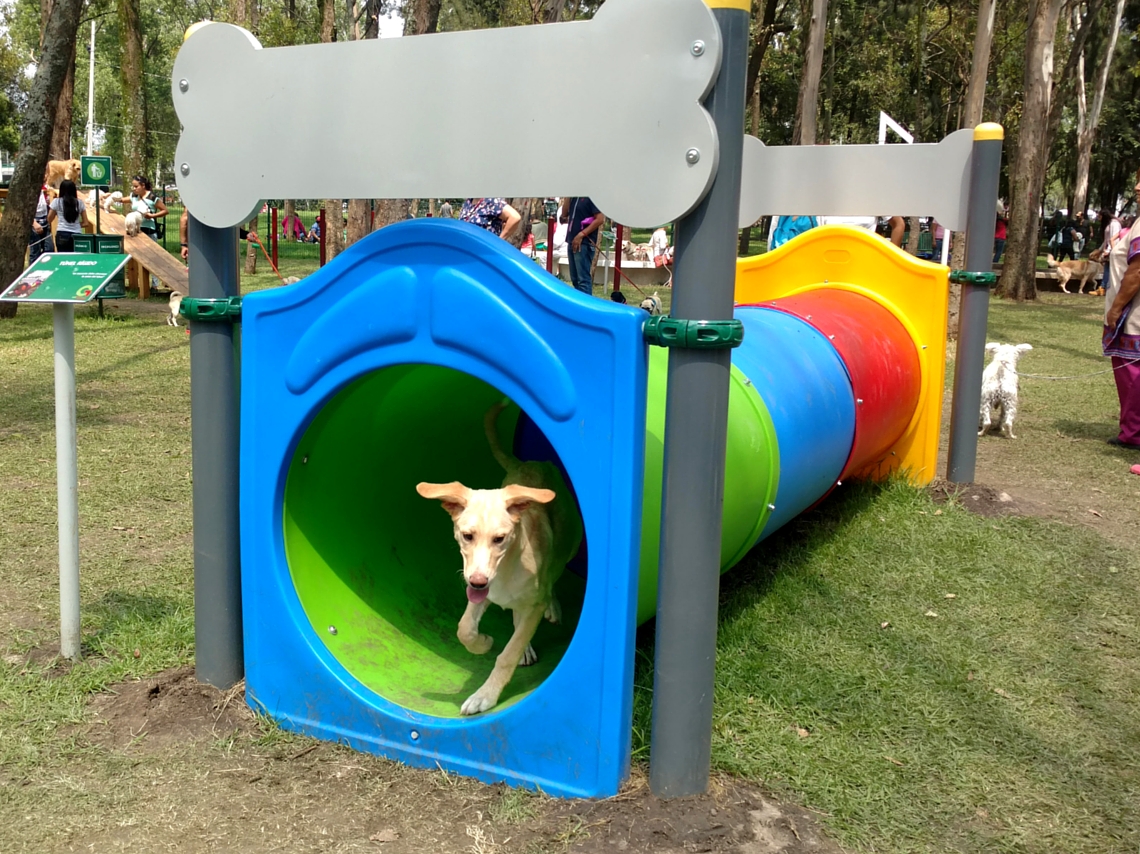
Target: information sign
(95,171)
(65,277)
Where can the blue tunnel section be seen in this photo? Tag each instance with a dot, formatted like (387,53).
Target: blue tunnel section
(807,391)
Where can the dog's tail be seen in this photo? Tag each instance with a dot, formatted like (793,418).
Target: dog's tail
(1051,261)
(490,420)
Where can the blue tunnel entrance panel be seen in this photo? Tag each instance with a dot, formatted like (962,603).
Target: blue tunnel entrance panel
(370,376)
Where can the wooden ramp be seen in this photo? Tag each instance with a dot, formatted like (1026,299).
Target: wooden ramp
(150,257)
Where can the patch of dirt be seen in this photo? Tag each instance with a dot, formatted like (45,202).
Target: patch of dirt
(295,794)
(170,707)
(978,498)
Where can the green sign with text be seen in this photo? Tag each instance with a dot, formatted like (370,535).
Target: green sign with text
(95,171)
(66,277)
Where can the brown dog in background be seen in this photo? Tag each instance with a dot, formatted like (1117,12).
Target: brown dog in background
(1066,270)
(61,170)
(515,542)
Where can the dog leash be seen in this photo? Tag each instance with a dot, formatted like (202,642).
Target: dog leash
(1078,376)
(267,258)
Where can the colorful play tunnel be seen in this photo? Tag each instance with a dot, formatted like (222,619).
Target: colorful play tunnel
(375,373)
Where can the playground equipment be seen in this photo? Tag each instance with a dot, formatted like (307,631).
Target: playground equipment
(375,372)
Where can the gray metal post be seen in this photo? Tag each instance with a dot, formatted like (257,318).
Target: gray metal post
(696,418)
(972,317)
(214,434)
(66,477)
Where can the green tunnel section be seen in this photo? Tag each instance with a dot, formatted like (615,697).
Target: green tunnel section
(751,475)
(376,566)
(378,563)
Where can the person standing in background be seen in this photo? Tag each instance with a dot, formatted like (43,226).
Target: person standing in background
(585,220)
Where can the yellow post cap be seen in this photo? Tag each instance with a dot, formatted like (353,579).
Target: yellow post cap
(193,28)
(989,130)
(743,5)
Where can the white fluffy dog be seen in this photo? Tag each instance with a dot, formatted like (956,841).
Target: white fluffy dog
(134,223)
(109,200)
(999,386)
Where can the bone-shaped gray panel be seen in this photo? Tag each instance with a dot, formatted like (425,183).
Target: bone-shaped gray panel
(456,115)
(924,179)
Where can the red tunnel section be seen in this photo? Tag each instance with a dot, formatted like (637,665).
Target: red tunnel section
(881,360)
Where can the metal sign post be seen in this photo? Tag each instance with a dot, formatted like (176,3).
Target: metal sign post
(696,423)
(65,280)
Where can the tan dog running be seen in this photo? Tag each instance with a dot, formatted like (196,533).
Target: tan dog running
(515,542)
(1066,270)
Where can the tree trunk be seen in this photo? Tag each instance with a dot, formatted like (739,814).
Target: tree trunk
(133,103)
(1027,175)
(975,103)
(251,250)
(389,211)
(35,138)
(1088,122)
(359,220)
(807,107)
(1060,87)
(61,131)
(423,17)
(290,211)
(763,38)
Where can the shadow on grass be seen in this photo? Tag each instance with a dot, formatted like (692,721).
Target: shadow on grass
(119,608)
(1094,430)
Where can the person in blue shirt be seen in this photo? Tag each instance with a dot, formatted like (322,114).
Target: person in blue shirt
(788,227)
(581,239)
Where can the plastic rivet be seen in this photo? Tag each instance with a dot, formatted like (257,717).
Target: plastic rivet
(923,346)
(809,317)
(304,461)
(415,736)
(859,400)
(332,630)
(184,169)
(698,48)
(692,156)
(830,337)
(839,483)
(771,506)
(184,84)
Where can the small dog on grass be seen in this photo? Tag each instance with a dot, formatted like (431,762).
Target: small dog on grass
(175,304)
(515,543)
(652,304)
(133,223)
(999,387)
(1066,270)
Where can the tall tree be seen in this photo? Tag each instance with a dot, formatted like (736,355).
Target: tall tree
(35,137)
(133,99)
(365,26)
(60,148)
(333,234)
(1089,118)
(1027,175)
(972,117)
(807,108)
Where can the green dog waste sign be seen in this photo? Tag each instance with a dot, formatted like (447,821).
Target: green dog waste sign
(95,171)
(65,277)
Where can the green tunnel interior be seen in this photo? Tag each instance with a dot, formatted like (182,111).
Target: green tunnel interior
(377,563)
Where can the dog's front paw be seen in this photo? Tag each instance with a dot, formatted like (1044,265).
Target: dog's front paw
(554,610)
(480,701)
(478,645)
(529,656)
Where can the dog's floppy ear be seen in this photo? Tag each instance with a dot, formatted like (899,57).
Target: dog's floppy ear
(993,345)
(1021,348)
(519,498)
(453,496)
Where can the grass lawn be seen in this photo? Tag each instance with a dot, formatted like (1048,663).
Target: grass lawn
(918,677)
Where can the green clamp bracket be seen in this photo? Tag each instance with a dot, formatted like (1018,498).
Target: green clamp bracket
(966,277)
(201,308)
(667,331)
